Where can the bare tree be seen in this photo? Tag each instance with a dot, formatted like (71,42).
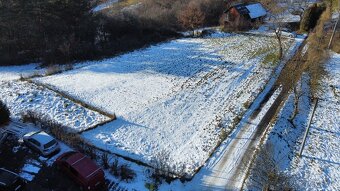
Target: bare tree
(191,16)
(276,16)
(265,172)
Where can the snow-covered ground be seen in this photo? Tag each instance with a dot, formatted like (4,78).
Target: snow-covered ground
(22,97)
(173,97)
(105,5)
(318,168)
(8,73)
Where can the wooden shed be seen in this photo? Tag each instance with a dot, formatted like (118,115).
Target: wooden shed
(242,16)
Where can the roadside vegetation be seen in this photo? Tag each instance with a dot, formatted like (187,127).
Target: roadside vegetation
(4,113)
(61,31)
(265,172)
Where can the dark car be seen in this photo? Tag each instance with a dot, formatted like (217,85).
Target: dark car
(10,181)
(82,169)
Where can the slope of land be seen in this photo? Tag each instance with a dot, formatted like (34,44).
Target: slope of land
(175,97)
(318,167)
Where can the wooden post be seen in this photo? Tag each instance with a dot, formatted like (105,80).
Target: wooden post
(336,24)
(315,102)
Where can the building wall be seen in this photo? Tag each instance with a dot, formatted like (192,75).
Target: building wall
(235,21)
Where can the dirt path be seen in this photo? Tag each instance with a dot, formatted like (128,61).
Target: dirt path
(228,172)
(233,159)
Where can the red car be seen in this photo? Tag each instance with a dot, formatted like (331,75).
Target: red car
(82,169)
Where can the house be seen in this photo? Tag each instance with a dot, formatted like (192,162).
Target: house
(243,16)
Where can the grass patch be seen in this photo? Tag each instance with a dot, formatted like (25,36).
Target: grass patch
(271,59)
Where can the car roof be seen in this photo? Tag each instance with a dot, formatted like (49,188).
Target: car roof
(42,137)
(82,164)
(7,177)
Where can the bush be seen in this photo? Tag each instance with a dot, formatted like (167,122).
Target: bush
(311,16)
(105,160)
(151,187)
(30,117)
(114,168)
(126,173)
(4,113)
(53,69)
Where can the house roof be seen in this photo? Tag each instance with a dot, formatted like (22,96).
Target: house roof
(83,165)
(254,10)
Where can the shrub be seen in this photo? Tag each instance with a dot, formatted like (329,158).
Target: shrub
(53,69)
(151,186)
(4,113)
(114,167)
(30,117)
(311,16)
(191,16)
(105,160)
(266,173)
(126,173)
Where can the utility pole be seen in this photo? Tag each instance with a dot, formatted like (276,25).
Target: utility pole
(315,102)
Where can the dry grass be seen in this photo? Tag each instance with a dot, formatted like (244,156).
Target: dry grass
(53,69)
(317,52)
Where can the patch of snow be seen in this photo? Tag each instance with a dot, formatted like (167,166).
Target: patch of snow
(31,168)
(105,5)
(27,176)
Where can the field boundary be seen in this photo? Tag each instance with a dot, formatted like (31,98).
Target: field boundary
(75,100)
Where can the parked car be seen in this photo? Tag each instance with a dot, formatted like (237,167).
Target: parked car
(41,142)
(287,32)
(82,169)
(10,181)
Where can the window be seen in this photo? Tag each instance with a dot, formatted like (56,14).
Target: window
(35,142)
(49,144)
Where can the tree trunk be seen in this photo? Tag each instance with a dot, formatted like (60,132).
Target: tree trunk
(278,36)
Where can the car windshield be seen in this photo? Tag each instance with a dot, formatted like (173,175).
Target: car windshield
(7,178)
(49,144)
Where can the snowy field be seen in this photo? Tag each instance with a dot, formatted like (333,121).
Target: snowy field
(8,73)
(22,97)
(318,168)
(174,97)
